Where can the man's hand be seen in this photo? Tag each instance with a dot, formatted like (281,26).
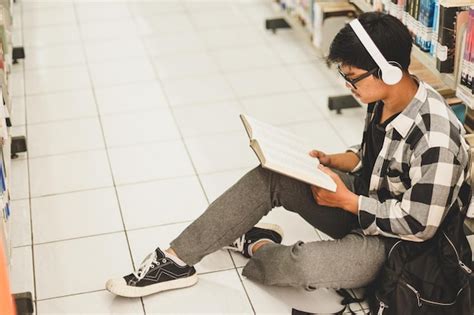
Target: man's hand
(342,198)
(324,159)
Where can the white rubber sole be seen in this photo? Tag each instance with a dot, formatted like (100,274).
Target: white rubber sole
(122,289)
(273,227)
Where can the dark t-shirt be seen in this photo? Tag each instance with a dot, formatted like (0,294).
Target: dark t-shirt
(374,142)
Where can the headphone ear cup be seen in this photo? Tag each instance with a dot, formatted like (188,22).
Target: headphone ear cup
(379,74)
(392,74)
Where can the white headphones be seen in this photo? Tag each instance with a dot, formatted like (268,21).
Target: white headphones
(391,74)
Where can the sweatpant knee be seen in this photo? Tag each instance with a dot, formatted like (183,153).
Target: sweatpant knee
(279,265)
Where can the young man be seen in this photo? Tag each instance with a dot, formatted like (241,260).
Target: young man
(399,183)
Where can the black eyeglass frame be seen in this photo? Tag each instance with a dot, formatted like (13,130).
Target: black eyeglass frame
(353,82)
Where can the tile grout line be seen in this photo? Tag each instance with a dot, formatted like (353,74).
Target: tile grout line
(103,290)
(138,144)
(149,181)
(33,260)
(91,82)
(149,58)
(243,110)
(107,233)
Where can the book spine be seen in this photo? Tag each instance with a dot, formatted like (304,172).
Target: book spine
(400,9)
(411,23)
(405,12)
(446,39)
(434,37)
(467,51)
(413,18)
(425,38)
(416,16)
(420,23)
(470,69)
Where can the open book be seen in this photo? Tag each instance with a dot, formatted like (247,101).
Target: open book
(285,153)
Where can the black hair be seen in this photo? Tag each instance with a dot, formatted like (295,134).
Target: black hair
(389,34)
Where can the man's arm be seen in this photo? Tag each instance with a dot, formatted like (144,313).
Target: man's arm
(346,161)
(436,177)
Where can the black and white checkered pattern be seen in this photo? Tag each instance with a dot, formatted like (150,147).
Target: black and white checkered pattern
(419,171)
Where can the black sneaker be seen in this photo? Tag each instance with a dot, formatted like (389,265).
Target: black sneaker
(157,273)
(261,231)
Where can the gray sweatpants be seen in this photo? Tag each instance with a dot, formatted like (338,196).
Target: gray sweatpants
(352,260)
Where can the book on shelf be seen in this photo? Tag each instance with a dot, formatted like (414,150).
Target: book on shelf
(285,153)
(426,21)
(449,19)
(465,88)
(443,30)
(426,75)
(435,33)
(465,75)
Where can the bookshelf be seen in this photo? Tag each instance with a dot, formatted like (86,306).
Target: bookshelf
(362,5)
(425,58)
(307,23)
(430,62)
(5,138)
(8,56)
(9,146)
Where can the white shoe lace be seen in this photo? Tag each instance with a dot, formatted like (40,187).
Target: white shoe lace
(239,243)
(145,266)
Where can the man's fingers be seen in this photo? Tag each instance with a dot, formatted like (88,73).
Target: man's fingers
(316,153)
(327,170)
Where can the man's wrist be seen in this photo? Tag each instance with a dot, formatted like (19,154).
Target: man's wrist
(352,204)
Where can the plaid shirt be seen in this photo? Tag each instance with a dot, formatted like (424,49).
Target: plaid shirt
(419,172)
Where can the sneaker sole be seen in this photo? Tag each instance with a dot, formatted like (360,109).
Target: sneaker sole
(267,226)
(273,227)
(135,292)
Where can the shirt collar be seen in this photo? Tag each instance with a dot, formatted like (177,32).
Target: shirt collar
(405,120)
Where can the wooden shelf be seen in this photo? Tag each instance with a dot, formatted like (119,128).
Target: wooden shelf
(430,62)
(465,95)
(455,3)
(301,31)
(363,5)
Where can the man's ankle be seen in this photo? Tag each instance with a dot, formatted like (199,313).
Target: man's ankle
(174,256)
(171,252)
(256,246)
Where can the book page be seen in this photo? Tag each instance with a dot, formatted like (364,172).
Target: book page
(287,153)
(266,133)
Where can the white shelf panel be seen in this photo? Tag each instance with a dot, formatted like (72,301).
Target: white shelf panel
(456,3)
(465,95)
(430,62)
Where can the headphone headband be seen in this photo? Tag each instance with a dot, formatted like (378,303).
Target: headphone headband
(390,74)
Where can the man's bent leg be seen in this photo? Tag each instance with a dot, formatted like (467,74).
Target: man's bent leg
(350,262)
(243,205)
(235,212)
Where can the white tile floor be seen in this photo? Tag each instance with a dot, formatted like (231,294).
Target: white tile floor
(131,114)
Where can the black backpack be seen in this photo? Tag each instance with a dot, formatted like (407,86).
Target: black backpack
(431,277)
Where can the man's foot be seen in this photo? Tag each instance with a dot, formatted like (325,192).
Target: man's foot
(260,232)
(157,273)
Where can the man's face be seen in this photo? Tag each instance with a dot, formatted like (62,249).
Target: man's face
(367,88)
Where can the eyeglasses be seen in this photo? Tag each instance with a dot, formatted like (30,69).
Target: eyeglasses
(353,82)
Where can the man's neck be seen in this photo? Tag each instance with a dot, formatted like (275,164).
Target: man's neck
(401,95)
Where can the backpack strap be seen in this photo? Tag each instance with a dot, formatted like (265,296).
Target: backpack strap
(347,299)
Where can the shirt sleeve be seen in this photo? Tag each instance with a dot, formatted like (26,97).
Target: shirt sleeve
(436,177)
(357,149)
